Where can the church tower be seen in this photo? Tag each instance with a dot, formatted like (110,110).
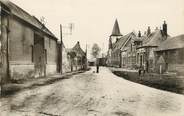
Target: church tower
(114,37)
(116,34)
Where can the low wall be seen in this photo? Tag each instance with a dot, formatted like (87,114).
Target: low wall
(51,69)
(21,72)
(165,82)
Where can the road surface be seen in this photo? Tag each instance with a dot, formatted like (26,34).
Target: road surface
(91,94)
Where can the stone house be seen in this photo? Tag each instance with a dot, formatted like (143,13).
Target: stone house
(128,50)
(28,48)
(145,53)
(171,53)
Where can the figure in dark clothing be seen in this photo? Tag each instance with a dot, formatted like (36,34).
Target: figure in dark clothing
(97,65)
(144,69)
(97,68)
(139,71)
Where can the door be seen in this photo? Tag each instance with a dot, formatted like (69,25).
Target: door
(39,56)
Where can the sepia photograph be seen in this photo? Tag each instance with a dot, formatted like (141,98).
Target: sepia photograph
(91,57)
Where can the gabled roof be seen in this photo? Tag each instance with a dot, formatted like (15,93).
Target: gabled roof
(154,39)
(23,15)
(78,49)
(172,43)
(121,43)
(116,30)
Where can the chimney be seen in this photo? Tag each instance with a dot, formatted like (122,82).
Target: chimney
(148,31)
(139,34)
(165,28)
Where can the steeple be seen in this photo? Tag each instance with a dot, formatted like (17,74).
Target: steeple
(116,30)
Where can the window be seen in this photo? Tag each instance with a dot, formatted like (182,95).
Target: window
(45,55)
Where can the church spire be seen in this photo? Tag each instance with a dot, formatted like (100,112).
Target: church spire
(116,30)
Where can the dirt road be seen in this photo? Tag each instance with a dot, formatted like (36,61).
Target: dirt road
(91,94)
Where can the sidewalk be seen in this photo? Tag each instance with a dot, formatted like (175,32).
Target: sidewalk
(122,69)
(12,88)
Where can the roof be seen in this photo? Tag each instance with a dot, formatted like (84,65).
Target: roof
(172,43)
(116,30)
(78,49)
(23,15)
(154,39)
(123,40)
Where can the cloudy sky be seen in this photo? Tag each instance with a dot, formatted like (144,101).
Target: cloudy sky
(94,19)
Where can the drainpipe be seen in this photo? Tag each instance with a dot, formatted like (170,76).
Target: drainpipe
(7,49)
(120,59)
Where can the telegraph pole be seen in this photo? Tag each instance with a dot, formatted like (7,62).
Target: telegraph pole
(70,27)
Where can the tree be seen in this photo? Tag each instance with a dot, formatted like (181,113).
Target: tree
(95,50)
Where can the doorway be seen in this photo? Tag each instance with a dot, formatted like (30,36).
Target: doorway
(39,56)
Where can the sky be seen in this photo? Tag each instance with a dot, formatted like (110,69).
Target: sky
(94,19)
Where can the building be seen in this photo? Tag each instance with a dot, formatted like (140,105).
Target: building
(170,55)
(78,59)
(145,53)
(28,48)
(113,55)
(128,50)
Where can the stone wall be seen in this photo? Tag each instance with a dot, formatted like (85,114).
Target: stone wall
(66,61)
(21,42)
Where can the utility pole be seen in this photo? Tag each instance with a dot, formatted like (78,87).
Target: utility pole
(70,27)
(61,54)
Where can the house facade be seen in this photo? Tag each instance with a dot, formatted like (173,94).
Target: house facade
(28,48)
(170,55)
(128,51)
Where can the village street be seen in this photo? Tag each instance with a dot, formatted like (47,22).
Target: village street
(92,94)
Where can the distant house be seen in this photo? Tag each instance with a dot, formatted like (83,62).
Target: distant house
(28,48)
(77,57)
(145,52)
(171,51)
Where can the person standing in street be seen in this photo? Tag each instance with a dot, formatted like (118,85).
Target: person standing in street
(97,66)
(144,69)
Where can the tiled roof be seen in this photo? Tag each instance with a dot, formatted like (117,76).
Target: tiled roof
(172,43)
(23,15)
(78,49)
(122,41)
(154,39)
